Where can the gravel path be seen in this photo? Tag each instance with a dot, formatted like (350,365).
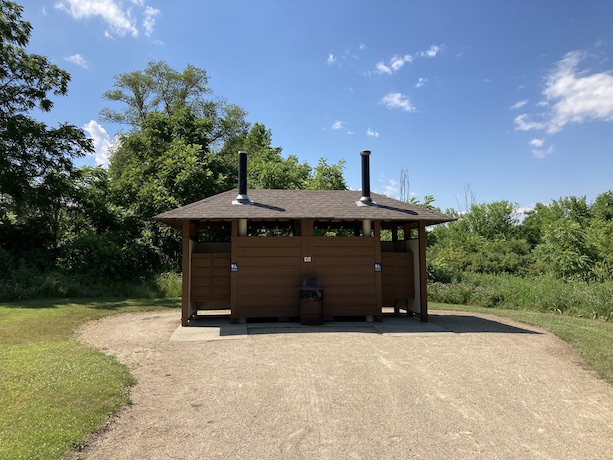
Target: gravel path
(463,386)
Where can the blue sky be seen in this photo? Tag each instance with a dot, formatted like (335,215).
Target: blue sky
(505,100)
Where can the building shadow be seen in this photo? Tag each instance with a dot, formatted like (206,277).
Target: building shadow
(391,324)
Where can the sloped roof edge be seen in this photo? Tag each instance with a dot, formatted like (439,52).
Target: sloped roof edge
(270,204)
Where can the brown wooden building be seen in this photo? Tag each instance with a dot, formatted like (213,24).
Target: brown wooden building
(250,254)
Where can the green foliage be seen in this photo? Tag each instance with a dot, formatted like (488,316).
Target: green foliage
(37,174)
(31,152)
(565,251)
(545,294)
(327,177)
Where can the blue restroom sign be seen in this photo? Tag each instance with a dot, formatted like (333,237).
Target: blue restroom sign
(377,266)
(234,267)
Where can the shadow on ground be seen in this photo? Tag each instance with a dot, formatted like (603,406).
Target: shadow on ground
(212,327)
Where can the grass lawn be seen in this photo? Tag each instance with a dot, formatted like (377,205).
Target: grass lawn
(593,339)
(53,390)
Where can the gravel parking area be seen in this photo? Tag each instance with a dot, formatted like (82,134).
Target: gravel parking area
(463,386)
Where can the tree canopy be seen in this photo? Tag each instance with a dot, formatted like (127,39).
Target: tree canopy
(36,161)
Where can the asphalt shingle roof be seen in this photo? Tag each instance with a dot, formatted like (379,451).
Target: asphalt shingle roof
(300,204)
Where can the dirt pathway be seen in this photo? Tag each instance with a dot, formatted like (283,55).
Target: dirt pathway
(461,387)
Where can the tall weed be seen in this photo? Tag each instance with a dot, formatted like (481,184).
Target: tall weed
(543,294)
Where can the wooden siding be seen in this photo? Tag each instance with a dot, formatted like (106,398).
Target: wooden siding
(210,286)
(345,268)
(397,277)
(269,276)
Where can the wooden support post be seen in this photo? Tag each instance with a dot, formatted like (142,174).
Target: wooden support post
(234,275)
(394,232)
(423,280)
(378,282)
(190,234)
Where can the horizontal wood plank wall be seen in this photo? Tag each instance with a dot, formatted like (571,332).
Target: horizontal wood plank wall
(211,280)
(397,277)
(269,276)
(345,268)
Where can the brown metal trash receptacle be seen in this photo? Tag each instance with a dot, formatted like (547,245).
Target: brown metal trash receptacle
(311,302)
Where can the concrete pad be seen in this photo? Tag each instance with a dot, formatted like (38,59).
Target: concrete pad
(209,331)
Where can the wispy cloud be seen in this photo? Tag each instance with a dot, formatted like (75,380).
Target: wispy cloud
(331,59)
(337,124)
(571,95)
(522,123)
(542,153)
(576,96)
(77,59)
(372,133)
(398,101)
(421,82)
(102,142)
(362,46)
(391,187)
(537,142)
(120,19)
(519,104)
(431,52)
(397,62)
(394,65)
(149,21)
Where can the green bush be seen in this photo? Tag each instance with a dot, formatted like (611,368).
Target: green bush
(538,293)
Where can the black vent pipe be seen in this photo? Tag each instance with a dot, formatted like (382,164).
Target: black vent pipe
(365,154)
(242,197)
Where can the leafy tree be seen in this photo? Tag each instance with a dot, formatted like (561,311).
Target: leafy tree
(565,250)
(36,167)
(483,240)
(267,168)
(327,177)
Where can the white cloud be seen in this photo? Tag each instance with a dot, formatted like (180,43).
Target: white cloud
(542,153)
(395,64)
(362,46)
(351,133)
(119,18)
(102,142)
(331,59)
(337,124)
(576,96)
(149,21)
(392,188)
(537,142)
(421,82)
(77,59)
(372,133)
(381,68)
(519,104)
(431,52)
(523,124)
(397,101)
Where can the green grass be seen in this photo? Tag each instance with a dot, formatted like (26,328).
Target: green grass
(54,391)
(593,339)
(544,294)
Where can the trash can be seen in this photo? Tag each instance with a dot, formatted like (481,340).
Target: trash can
(311,302)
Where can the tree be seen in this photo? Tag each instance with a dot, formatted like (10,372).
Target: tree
(327,177)
(36,167)
(163,90)
(565,250)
